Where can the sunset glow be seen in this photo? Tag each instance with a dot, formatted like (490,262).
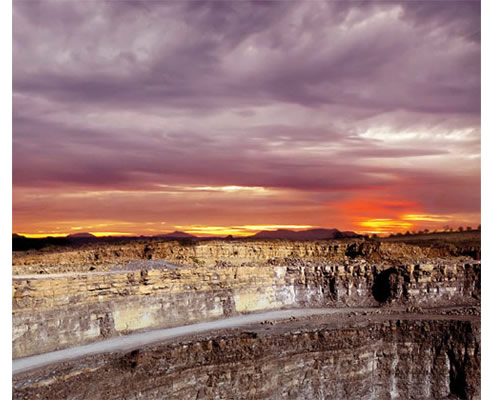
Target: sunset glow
(244,230)
(229,118)
(431,218)
(98,234)
(384,225)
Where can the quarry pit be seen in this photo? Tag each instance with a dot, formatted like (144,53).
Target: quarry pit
(227,319)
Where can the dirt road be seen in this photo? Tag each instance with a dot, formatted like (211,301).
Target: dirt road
(136,340)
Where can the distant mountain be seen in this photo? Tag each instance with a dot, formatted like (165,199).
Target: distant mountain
(176,235)
(23,243)
(310,234)
(81,235)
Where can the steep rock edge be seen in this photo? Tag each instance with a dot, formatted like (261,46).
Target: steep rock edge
(102,257)
(410,357)
(59,311)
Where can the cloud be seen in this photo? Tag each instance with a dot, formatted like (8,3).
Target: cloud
(223,55)
(327,101)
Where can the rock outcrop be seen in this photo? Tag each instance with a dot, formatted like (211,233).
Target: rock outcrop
(97,257)
(419,337)
(394,357)
(51,312)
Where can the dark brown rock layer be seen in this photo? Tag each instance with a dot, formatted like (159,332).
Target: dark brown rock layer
(409,357)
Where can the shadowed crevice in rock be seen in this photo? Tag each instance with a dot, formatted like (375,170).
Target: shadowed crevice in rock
(386,286)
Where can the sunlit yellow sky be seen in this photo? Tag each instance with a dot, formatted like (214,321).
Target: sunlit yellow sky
(101,213)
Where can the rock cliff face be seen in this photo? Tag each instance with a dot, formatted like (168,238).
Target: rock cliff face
(52,312)
(101,258)
(390,358)
(417,336)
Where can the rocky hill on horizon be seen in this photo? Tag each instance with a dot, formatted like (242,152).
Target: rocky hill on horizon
(309,234)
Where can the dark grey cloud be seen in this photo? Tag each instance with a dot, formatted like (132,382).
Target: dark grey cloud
(54,154)
(221,54)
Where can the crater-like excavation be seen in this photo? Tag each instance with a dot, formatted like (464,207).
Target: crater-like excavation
(246,320)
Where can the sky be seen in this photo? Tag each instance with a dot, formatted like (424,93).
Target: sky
(211,117)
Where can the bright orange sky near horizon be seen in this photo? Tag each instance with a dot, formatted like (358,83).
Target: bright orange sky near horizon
(381,217)
(231,118)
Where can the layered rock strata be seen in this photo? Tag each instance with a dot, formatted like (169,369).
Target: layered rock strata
(378,357)
(390,321)
(57,311)
(102,257)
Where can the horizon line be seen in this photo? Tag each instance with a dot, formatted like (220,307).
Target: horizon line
(107,234)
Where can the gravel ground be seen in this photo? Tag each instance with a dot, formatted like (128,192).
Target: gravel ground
(138,265)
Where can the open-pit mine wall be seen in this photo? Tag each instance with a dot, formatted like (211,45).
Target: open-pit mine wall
(101,258)
(410,357)
(58,311)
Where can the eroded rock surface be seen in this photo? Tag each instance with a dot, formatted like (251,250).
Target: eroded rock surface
(96,257)
(384,357)
(52,312)
(419,339)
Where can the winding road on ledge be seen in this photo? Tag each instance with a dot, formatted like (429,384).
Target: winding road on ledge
(137,340)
